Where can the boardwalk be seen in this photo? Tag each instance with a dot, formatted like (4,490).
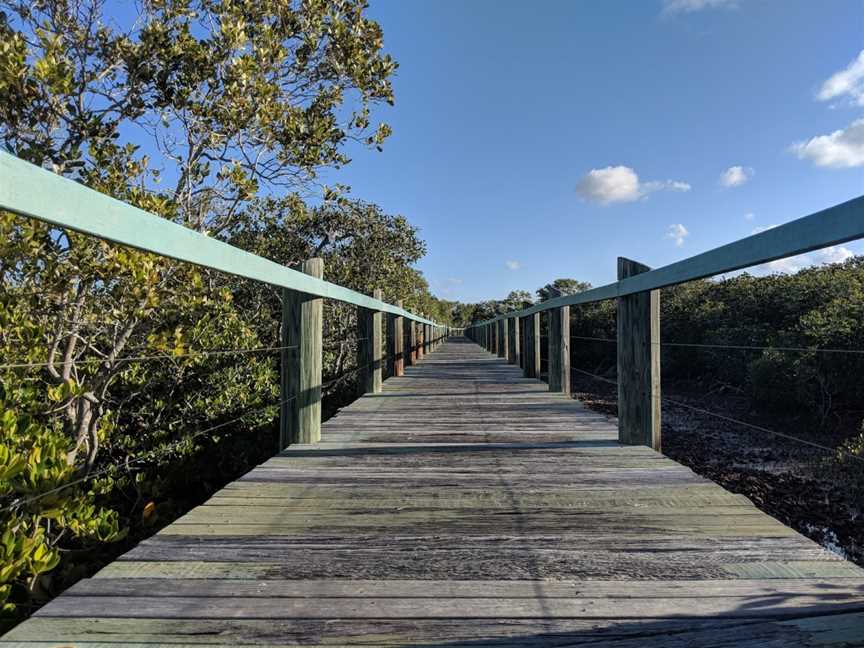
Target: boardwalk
(466,506)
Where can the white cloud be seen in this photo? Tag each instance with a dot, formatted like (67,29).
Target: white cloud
(677,233)
(791,265)
(735,176)
(762,228)
(689,6)
(616,184)
(840,149)
(846,83)
(749,216)
(513,265)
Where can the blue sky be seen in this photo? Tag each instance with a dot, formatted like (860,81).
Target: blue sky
(541,140)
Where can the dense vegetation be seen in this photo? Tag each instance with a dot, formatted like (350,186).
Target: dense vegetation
(219,115)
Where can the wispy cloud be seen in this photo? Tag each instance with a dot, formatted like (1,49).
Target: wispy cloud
(749,216)
(513,265)
(791,265)
(841,149)
(677,232)
(735,176)
(621,184)
(690,6)
(848,83)
(762,228)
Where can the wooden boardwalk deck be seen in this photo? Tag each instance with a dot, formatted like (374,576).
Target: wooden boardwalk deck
(465,506)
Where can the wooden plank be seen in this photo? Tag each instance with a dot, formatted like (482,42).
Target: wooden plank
(203,606)
(300,367)
(849,590)
(638,322)
(505,633)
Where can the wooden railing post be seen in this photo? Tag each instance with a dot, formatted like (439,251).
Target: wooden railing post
(534,348)
(408,342)
(300,374)
(369,349)
(421,340)
(638,362)
(559,349)
(521,362)
(395,345)
(508,340)
(502,339)
(528,366)
(513,341)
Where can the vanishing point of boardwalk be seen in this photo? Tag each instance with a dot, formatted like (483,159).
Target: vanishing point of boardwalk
(465,505)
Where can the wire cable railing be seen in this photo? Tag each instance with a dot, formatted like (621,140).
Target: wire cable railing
(734,347)
(144,358)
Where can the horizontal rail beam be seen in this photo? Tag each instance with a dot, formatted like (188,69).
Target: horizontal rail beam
(32,191)
(832,226)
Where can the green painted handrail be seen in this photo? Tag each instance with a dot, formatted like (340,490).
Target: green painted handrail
(832,226)
(29,190)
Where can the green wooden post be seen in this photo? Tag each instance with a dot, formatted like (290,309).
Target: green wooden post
(535,341)
(508,340)
(300,379)
(369,349)
(396,348)
(559,349)
(528,369)
(407,342)
(515,334)
(638,362)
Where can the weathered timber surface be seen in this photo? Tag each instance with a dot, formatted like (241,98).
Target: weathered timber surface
(465,505)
